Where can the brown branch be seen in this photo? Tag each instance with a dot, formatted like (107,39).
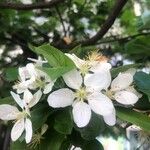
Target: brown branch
(114,13)
(124,39)
(39,5)
(61,20)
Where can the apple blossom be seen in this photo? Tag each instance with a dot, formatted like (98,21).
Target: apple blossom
(84,97)
(32,78)
(23,123)
(122,90)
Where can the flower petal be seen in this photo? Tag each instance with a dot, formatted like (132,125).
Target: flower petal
(126,97)
(100,104)
(8,112)
(31,69)
(110,119)
(73,79)
(28,129)
(81,114)
(98,81)
(61,98)
(17,99)
(48,87)
(132,89)
(100,67)
(17,129)
(36,98)
(122,81)
(78,62)
(27,96)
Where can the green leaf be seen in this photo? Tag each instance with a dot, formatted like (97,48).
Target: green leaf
(18,145)
(116,71)
(142,81)
(64,122)
(39,115)
(52,141)
(92,145)
(11,74)
(140,45)
(7,100)
(93,129)
(56,72)
(56,59)
(134,117)
(54,56)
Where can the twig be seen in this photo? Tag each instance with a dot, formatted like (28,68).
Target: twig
(61,20)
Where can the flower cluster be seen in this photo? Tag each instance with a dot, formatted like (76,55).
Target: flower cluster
(89,87)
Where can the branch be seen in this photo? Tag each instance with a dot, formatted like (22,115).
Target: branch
(39,5)
(114,13)
(61,20)
(124,39)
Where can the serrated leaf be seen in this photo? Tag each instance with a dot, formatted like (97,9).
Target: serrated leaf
(134,117)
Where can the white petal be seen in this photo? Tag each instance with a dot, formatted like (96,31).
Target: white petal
(8,112)
(27,96)
(36,98)
(99,81)
(81,114)
(22,73)
(31,69)
(17,99)
(48,87)
(131,71)
(100,67)
(110,119)
(122,81)
(125,97)
(17,129)
(132,89)
(73,79)
(78,62)
(100,104)
(28,129)
(61,98)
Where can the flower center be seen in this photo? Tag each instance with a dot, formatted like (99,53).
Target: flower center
(84,69)
(21,115)
(110,94)
(81,94)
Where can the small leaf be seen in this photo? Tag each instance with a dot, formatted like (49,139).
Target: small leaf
(134,117)
(63,121)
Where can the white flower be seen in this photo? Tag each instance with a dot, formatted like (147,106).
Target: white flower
(23,123)
(84,97)
(122,90)
(33,78)
(95,63)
